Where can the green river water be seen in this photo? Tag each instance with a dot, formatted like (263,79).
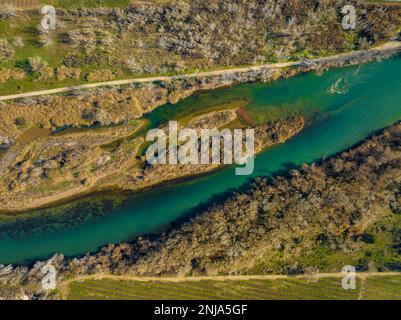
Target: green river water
(343,106)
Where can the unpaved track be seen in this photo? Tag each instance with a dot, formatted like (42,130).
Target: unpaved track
(385,47)
(142,80)
(64,287)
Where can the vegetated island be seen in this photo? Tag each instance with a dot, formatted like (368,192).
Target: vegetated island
(100,44)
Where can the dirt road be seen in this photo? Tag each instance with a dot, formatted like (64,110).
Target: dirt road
(385,47)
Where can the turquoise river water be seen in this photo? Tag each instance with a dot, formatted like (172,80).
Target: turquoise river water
(343,106)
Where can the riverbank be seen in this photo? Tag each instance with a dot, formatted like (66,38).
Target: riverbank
(266,73)
(293,217)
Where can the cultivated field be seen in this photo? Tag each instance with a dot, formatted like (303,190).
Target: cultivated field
(383,287)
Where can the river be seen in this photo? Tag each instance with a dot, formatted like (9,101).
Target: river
(342,106)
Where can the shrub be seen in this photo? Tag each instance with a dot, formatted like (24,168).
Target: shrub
(14,74)
(100,75)
(18,42)
(6,50)
(35,64)
(7,12)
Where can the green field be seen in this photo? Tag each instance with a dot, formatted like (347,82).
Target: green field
(388,287)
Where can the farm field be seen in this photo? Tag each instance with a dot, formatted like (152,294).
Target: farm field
(386,287)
